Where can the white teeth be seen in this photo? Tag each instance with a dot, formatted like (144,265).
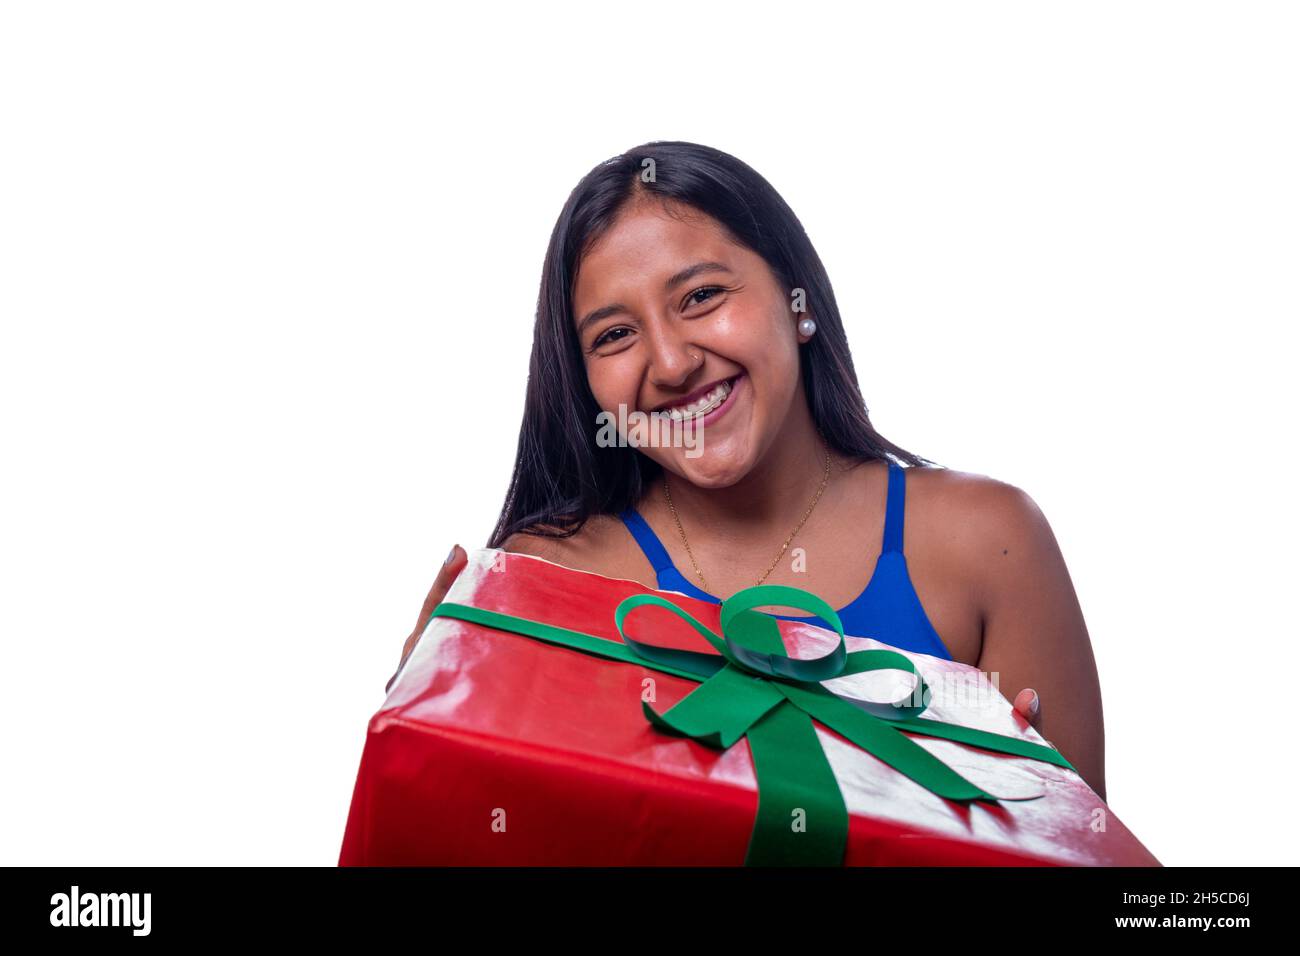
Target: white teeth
(701,406)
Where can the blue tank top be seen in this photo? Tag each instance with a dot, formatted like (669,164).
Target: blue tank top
(888,610)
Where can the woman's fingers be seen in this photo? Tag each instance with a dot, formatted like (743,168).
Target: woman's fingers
(441,583)
(1029,707)
(1028,704)
(451,566)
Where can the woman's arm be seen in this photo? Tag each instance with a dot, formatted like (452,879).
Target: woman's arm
(1034,632)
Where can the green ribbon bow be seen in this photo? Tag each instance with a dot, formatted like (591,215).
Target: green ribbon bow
(752,688)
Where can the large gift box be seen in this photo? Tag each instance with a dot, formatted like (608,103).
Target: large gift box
(548,716)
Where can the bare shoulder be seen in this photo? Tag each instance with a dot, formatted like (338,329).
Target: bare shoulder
(971,497)
(602,546)
(985,527)
(1033,628)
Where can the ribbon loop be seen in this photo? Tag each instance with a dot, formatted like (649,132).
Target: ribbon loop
(777,663)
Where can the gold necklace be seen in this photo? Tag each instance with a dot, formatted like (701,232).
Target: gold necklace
(689,554)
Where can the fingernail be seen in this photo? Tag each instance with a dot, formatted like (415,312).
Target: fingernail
(450,554)
(1033,704)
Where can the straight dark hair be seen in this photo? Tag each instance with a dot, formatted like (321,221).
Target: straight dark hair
(561,476)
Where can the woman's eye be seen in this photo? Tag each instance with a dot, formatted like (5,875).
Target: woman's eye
(708,292)
(699,297)
(605,337)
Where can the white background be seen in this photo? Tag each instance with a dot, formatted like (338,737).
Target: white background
(267,282)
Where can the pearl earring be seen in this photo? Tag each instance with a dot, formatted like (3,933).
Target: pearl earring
(807,326)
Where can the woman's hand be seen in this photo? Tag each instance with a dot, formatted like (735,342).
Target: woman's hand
(446,574)
(1029,707)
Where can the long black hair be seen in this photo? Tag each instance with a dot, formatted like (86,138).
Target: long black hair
(561,476)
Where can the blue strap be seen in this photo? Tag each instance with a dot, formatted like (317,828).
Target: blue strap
(658,557)
(894,509)
(650,544)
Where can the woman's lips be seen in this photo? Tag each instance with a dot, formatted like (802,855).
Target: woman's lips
(695,396)
(677,412)
(736,383)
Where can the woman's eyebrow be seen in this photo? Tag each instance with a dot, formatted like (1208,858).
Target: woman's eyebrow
(691,272)
(596,315)
(676,279)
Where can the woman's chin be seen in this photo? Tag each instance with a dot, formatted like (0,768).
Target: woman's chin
(712,468)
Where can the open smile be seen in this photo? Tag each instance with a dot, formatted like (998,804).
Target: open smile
(712,400)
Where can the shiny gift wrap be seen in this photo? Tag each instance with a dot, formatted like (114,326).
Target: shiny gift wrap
(672,731)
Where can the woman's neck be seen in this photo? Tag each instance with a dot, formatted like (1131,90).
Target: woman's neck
(775,493)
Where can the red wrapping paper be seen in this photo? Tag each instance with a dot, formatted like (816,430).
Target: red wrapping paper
(493,748)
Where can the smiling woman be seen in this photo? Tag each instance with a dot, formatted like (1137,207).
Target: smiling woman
(679,288)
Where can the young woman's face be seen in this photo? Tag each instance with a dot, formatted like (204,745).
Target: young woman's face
(666,305)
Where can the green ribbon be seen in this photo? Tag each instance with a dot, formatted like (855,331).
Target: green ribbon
(752,688)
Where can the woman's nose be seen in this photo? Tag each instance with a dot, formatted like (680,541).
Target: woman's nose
(671,357)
